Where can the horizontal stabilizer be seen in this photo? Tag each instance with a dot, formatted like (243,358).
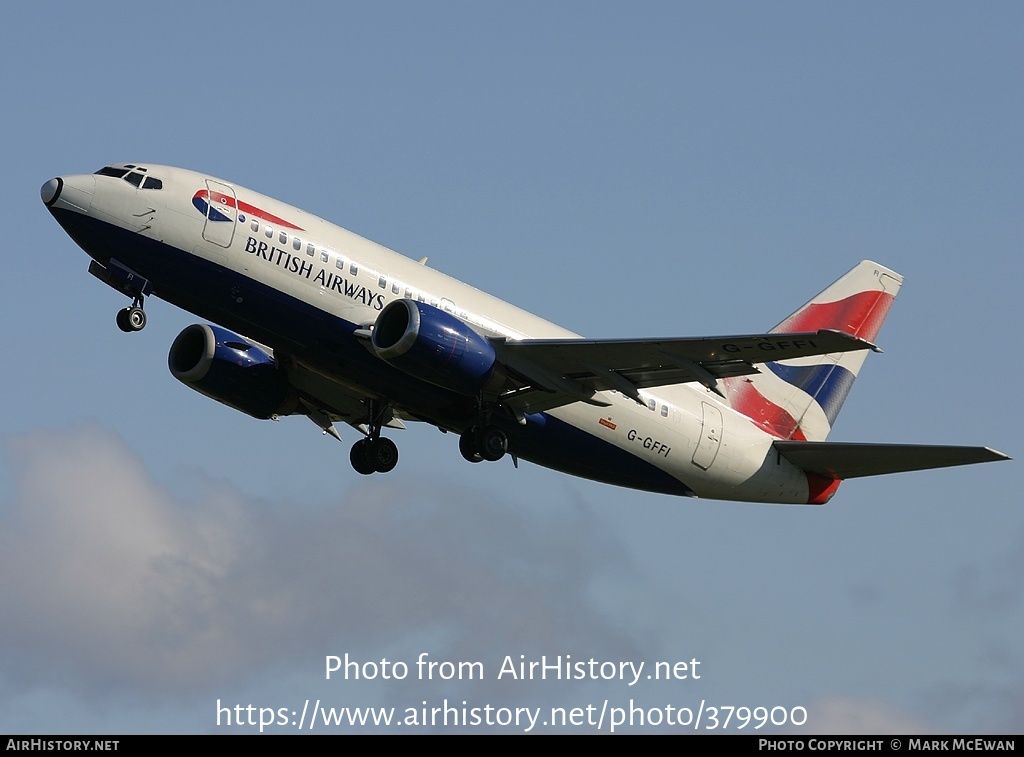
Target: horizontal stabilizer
(842,460)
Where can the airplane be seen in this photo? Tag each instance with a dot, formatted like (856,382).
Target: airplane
(343,330)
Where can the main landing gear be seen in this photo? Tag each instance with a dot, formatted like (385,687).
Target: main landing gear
(378,454)
(132,318)
(375,453)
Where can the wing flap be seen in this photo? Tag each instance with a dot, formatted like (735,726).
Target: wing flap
(842,460)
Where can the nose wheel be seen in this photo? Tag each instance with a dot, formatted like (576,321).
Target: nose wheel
(131,318)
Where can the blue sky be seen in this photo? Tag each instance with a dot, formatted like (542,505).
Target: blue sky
(661,169)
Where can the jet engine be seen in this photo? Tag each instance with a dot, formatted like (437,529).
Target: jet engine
(227,368)
(435,346)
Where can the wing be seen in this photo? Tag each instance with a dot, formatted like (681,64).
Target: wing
(548,373)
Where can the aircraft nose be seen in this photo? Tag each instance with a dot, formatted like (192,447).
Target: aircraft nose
(73,192)
(50,191)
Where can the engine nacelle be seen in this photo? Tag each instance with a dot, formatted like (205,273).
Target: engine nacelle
(435,346)
(225,367)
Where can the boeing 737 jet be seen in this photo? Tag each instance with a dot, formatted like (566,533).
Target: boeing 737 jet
(314,320)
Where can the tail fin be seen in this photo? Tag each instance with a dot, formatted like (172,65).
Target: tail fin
(800,399)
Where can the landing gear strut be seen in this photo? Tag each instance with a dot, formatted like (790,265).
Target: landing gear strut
(375,453)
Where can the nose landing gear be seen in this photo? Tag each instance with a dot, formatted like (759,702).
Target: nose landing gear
(122,278)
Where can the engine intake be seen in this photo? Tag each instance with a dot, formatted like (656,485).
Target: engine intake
(435,346)
(225,367)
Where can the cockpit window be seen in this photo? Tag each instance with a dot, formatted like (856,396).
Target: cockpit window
(132,175)
(117,173)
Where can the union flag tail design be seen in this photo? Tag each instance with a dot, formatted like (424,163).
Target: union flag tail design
(800,399)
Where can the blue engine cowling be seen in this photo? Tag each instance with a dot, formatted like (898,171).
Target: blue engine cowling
(225,367)
(434,346)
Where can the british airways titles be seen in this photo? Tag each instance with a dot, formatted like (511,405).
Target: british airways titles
(304,268)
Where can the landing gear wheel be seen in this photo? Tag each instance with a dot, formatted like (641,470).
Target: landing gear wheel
(492,443)
(360,459)
(384,454)
(131,319)
(136,318)
(378,455)
(468,448)
(487,443)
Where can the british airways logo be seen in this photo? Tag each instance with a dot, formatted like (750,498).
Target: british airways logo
(217,206)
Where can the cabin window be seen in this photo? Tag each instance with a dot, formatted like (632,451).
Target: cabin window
(408,293)
(339,264)
(651,404)
(382,282)
(664,411)
(353,269)
(254,225)
(296,244)
(283,237)
(325,255)
(269,231)
(310,249)
(396,288)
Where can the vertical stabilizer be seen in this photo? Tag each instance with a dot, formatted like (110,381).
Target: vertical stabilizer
(800,399)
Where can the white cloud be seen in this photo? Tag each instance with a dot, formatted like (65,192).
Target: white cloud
(113,584)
